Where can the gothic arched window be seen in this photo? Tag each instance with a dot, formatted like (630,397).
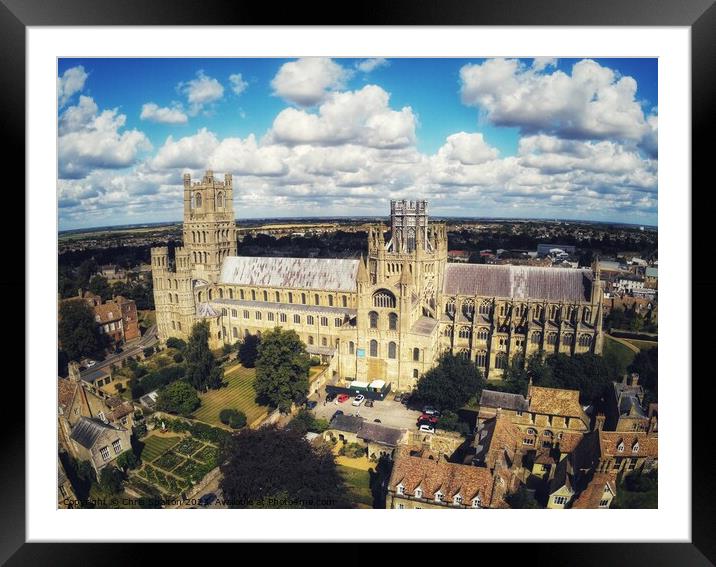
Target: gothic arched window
(374,348)
(585,340)
(373,319)
(481,359)
(464,332)
(393,321)
(501,360)
(197,200)
(219,199)
(391,350)
(383,298)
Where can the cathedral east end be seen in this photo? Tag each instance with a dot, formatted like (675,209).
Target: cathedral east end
(388,316)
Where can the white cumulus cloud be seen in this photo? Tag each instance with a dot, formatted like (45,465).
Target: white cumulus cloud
(368,65)
(307,81)
(592,102)
(201,91)
(163,115)
(72,81)
(238,84)
(90,139)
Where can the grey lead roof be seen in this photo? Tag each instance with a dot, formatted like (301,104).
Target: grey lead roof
(327,274)
(493,399)
(519,282)
(379,434)
(87,430)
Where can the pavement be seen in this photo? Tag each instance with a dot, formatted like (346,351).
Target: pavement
(133,349)
(391,413)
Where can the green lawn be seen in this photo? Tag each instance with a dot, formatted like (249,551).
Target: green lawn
(358,482)
(617,354)
(155,446)
(238,394)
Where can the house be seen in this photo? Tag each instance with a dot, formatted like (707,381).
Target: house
(417,482)
(100,443)
(65,493)
(599,492)
(78,398)
(615,452)
(651,277)
(497,441)
(561,485)
(458,256)
(625,409)
(544,416)
(380,440)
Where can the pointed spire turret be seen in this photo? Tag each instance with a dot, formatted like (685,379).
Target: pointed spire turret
(405,277)
(362,276)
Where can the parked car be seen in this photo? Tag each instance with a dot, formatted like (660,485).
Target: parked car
(330,397)
(398,397)
(310,404)
(430,410)
(91,363)
(377,421)
(342,398)
(337,413)
(369,403)
(430,419)
(424,428)
(207,499)
(359,399)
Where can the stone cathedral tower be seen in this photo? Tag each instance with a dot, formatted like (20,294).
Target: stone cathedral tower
(209,224)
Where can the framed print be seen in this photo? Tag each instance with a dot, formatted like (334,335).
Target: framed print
(313,277)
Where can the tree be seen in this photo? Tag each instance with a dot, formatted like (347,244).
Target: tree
(281,369)
(235,419)
(179,397)
(127,460)
(249,350)
(646,364)
(450,384)
(523,498)
(77,331)
(99,286)
(179,344)
(262,463)
(589,373)
(202,371)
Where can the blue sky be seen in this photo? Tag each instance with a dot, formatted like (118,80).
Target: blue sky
(545,138)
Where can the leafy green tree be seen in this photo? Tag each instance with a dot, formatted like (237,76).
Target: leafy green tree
(516,378)
(99,286)
(127,460)
(523,499)
(78,334)
(281,369)
(588,373)
(305,421)
(236,419)
(262,463)
(179,397)
(202,371)
(638,491)
(450,384)
(179,344)
(646,364)
(248,350)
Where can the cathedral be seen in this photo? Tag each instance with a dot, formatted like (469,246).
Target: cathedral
(384,317)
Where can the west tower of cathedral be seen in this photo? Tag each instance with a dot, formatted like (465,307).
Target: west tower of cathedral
(388,316)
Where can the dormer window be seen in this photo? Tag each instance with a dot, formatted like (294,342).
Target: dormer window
(438,496)
(457,500)
(476,502)
(620,447)
(418,493)
(635,447)
(400,489)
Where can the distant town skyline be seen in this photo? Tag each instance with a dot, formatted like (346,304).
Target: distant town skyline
(504,138)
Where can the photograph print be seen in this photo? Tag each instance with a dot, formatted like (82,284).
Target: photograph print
(353,283)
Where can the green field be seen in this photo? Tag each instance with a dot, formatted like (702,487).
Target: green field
(358,482)
(155,446)
(238,394)
(617,354)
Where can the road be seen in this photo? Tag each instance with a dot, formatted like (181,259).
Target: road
(148,339)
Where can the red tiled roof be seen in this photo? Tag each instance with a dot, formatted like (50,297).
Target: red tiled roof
(437,475)
(593,494)
(66,390)
(609,442)
(108,312)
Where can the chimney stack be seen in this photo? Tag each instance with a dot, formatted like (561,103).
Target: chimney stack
(599,422)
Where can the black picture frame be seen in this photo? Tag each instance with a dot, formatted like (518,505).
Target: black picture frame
(699,15)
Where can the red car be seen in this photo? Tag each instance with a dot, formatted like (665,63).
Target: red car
(342,398)
(425,418)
